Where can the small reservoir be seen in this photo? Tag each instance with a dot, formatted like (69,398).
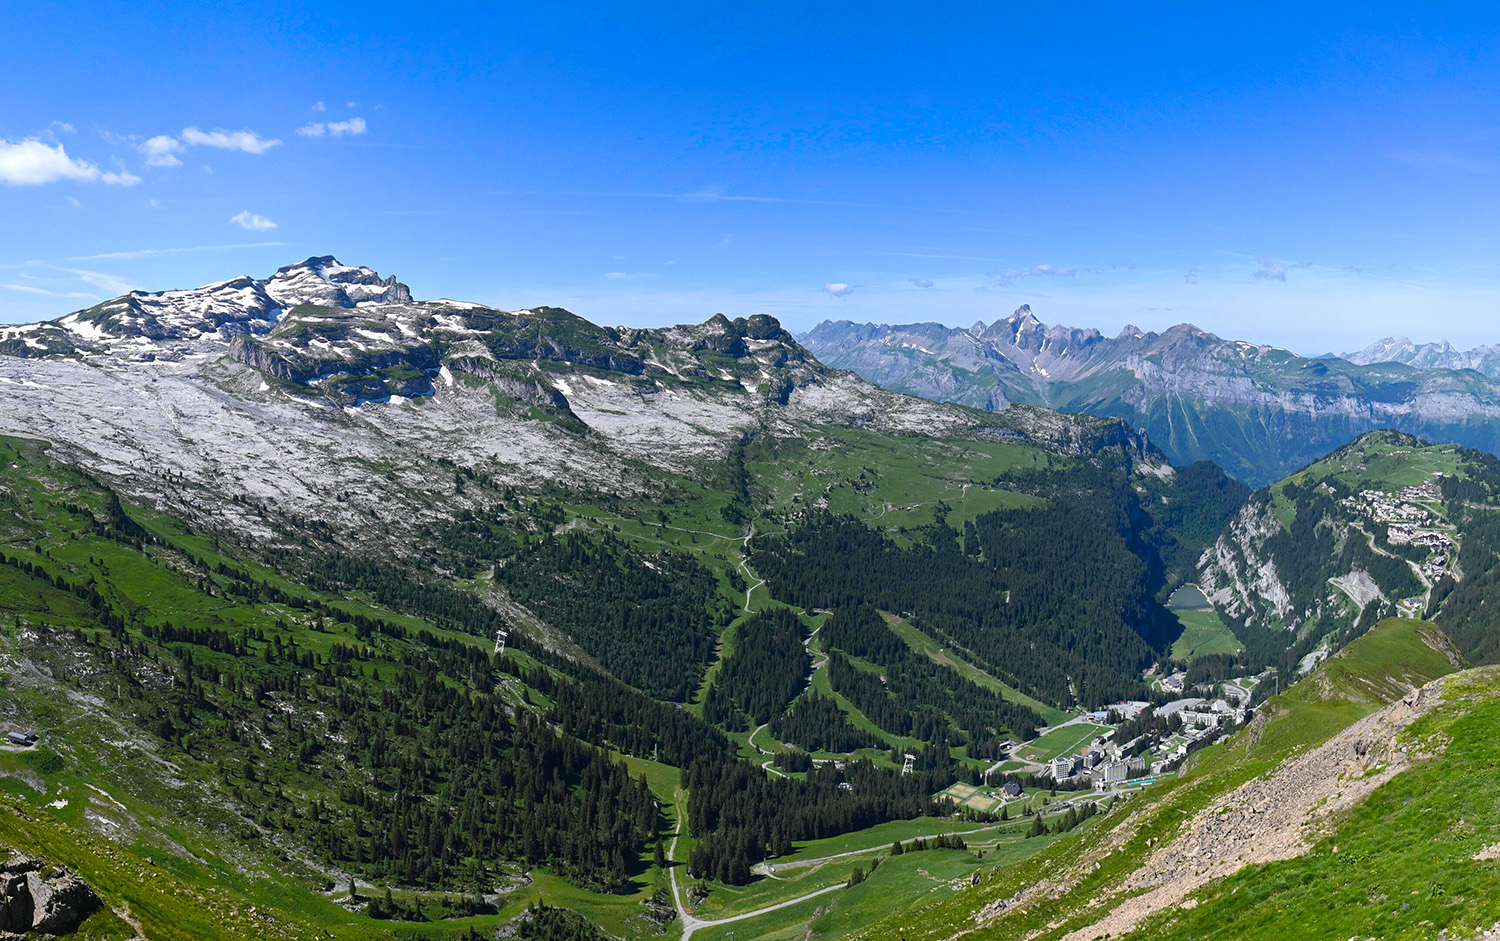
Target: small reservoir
(1188,598)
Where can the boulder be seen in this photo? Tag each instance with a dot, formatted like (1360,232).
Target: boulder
(44,900)
(60,903)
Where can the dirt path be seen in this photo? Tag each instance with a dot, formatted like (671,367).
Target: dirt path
(691,923)
(1271,818)
(770,869)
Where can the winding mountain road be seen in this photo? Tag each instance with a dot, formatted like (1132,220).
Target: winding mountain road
(691,923)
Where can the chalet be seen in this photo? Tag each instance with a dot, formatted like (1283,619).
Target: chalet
(23,740)
(1012,789)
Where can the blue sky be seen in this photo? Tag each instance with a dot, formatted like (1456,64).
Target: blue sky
(1316,179)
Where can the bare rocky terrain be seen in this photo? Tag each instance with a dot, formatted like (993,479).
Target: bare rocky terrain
(325,391)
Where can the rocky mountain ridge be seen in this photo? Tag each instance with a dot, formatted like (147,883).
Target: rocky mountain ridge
(1259,411)
(1439,355)
(326,390)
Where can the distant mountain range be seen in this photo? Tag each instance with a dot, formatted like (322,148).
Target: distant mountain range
(1258,411)
(1440,355)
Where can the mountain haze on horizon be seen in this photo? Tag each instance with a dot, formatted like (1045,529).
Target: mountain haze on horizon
(1258,411)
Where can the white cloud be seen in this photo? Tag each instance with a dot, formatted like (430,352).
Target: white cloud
(921,282)
(319,107)
(724,242)
(31,162)
(73,201)
(160,151)
(352,127)
(838,289)
(247,140)
(1190,278)
(616,275)
(64,126)
(251,222)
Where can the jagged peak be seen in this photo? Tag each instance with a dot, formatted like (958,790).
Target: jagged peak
(1131,331)
(1023,316)
(324,280)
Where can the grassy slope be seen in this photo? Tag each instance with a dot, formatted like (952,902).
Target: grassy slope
(108,769)
(893,482)
(1060,741)
(1377,461)
(1369,673)
(1203,633)
(914,476)
(900,882)
(924,644)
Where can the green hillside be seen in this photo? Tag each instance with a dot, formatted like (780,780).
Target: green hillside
(1088,877)
(1376,529)
(334,739)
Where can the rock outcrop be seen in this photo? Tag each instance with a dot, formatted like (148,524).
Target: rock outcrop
(268,394)
(40,899)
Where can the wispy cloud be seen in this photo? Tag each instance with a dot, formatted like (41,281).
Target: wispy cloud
(1434,159)
(63,126)
(246,141)
(32,162)
(943,255)
(31,289)
(154,252)
(319,106)
(716,194)
(251,222)
(1190,278)
(99,279)
(352,128)
(1054,271)
(1008,276)
(921,282)
(724,242)
(838,289)
(1272,270)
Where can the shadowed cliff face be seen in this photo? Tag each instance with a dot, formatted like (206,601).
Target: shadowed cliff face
(1258,411)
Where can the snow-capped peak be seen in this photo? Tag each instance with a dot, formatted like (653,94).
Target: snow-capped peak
(322,280)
